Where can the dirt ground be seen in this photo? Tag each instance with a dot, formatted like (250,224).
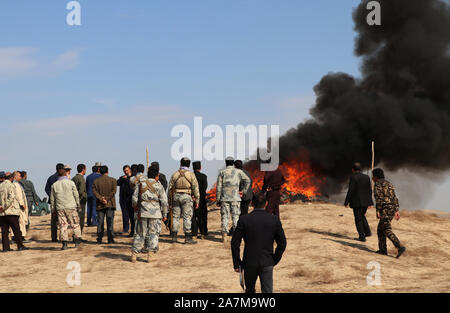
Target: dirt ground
(321,256)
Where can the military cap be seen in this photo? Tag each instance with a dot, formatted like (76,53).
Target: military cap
(185,159)
(98,164)
(155,165)
(67,167)
(229,159)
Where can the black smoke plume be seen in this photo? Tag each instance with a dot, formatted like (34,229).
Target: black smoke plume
(402,100)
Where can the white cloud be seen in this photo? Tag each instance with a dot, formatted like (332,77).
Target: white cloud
(24,62)
(134,117)
(17,61)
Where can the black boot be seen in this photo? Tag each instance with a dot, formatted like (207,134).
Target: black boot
(77,242)
(64,245)
(400,251)
(174,237)
(188,239)
(381,252)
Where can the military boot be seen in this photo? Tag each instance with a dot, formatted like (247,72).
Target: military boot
(64,245)
(133,257)
(188,239)
(174,237)
(401,250)
(77,242)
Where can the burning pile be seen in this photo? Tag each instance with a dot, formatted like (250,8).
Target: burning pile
(301,182)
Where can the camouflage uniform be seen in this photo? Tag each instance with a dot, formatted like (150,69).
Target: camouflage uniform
(150,200)
(228,196)
(184,185)
(387,205)
(68,218)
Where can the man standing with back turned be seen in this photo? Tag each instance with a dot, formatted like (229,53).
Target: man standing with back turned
(359,196)
(260,230)
(104,190)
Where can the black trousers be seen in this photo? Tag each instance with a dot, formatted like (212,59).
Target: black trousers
(127,215)
(5,223)
(200,220)
(82,214)
(109,214)
(362,226)
(54,226)
(244,206)
(265,275)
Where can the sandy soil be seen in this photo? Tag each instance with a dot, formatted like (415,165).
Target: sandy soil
(321,256)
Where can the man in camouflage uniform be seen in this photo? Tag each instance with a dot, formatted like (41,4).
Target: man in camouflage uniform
(9,213)
(150,203)
(65,202)
(229,194)
(183,190)
(387,206)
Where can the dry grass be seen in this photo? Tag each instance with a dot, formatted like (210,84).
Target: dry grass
(321,256)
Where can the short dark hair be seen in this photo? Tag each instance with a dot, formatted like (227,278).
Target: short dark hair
(126,166)
(80,167)
(378,173)
(134,169)
(141,168)
(155,165)
(259,200)
(152,172)
(23,174)
(103,169)
(185,162)
(356,166)
(229,162)
(238,164)
(59,167)
(196,165)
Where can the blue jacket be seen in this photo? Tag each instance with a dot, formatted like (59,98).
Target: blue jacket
(90,182)
(50,181)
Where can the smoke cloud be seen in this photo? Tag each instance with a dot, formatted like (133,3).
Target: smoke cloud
(401,101)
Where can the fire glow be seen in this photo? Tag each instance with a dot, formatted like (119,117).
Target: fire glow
(301,182)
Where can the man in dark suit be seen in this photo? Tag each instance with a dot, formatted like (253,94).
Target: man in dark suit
(200,217)
(259,229)
(359,197)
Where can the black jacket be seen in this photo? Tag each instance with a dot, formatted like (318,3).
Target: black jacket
(249,194)
(163,181)
(259,230)
(126,192)
(359,193)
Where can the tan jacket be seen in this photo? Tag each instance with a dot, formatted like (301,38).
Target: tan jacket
(8,201)
(184,181)
(20,196)
(106,187)
(64,195)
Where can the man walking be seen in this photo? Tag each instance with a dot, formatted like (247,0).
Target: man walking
(359,197)
(48,189)
(229,194)
(183,190)
(80,183)
(125,195)
(200,216)
(65,203)
(9,213)
(104,190)
(387,206)
(150,203)
(259,230)
(91,200)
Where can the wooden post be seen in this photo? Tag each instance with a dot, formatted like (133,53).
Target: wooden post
(373,154)
(148,160)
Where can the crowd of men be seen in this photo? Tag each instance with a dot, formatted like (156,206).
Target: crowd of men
(148,201)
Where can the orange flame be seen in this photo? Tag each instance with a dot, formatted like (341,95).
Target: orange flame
(299,176)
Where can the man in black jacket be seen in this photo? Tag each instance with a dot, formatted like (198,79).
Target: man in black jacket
(125,195)
(359,197)
(259,229)
(200,217)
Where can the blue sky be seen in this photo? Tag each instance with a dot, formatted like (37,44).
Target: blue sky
(105,90)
